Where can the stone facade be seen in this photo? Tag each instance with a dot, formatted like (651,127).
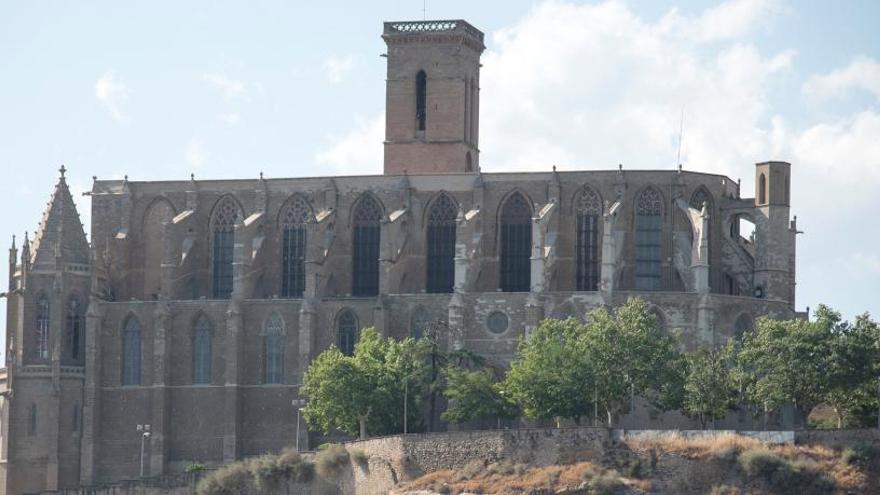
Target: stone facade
(69,410)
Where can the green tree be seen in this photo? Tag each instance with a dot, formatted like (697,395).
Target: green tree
(551,377)
(709,390)
(474,395)
(807,363)
(366,391)
(630,355)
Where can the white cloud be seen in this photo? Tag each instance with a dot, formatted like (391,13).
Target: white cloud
(337,68)
(862,263)
(862,73)
(113,94)
(229,87)
(591,86)
(231,118)
(847,151)
(359,151)
(195,153)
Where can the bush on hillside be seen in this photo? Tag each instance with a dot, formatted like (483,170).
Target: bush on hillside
(606,484)
(330,461)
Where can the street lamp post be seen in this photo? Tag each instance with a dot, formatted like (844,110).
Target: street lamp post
(298,404)
(144,431)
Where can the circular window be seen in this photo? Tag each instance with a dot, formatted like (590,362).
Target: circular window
(497,322)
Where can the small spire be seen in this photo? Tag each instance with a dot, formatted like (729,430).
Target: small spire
(261,175)
(62,170)
(125,178)
(192,177)
(13,241)
(554,168)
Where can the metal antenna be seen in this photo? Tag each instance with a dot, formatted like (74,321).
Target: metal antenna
(680,132)
(424,10)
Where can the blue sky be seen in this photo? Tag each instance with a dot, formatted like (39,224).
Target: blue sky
(160,90)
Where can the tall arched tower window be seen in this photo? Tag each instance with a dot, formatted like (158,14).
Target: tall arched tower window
(649,227)
(441,245)
(365,252)
(131,352)
(226,215)
(421,100)
(293,249)
(588,212)
(347,330)
(516,244)
(75,327)
(274,349)
(202,351)
(41,346)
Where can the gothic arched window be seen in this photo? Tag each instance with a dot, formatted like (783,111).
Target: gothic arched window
(347,328)
(32,421)
(202,351)
(441,245)
(274,349)
(131,352)
(226,215)
(649,227)
(421,99)
(365,252)
(588,213)
(293,248)
(41,347)
(75,327)
(516,244)
(421,322)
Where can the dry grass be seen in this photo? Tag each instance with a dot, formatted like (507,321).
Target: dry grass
(508,477)
(718,446)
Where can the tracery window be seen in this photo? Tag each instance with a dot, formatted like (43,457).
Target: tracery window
(131,352)
(516,244)
(293,249)
(588,211)
(75,326)
(441,245)
(421,322)
(274,349)
(202,351)
(226,215)
(649,225)
(421,99)
(365,252)
(41,349)
(347,330)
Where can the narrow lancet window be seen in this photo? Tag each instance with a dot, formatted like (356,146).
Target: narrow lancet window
(131,352)
(75,327)
(347,329)
(421,100)
(516,244)
(41,348)
(274,349)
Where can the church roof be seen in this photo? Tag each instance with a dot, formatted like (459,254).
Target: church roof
(60,230)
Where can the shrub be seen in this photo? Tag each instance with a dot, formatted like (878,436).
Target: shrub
(860,454)
(194,467)
(359,457)
(330,461)
(761,463)
(470,470)
(606,484)
(725,490)
(231,479)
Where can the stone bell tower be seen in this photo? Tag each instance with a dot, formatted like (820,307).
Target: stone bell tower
(432,101)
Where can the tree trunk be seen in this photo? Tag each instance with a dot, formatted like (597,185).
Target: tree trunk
(363,423)
(558,421)
(610,418)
